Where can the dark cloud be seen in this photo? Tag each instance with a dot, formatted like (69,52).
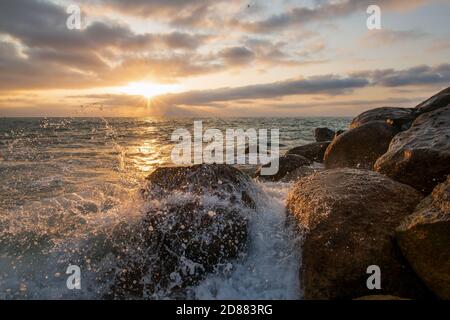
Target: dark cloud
(324,10)
(41,52)
(419,75)
(43,24)
(237,56)
(324,84)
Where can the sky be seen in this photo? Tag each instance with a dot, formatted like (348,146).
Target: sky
(220,58)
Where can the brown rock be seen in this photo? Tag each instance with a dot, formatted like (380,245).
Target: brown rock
(177,243)
(221,180)
(359,147)
(300,173)
(287,164)
(401,117)
(424,238)
(338,133)
(439,100)
(323,134)
(175,246)
(420,156)
(313,151)
(350,217)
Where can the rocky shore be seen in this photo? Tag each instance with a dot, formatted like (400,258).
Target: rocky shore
(380,196)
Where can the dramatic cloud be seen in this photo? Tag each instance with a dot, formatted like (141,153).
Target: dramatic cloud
(230,44)
(419,75)
(325,10)
(329,84)
(40,52)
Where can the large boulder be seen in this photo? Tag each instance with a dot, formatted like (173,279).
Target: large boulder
(286,164)
(349,218)
(439,100)
(420,156)
(424,238)
(323,134)
(313,151)
(360,147)
(401,117)
(223,181)
(175,246)
(195,220)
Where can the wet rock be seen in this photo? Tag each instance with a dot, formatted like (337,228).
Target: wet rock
(424,238)
(301,173)
(287,164)
(223,181)
(420,156)
(439,100)
(323,134)
(338,133)
(195,220)
(175,246)
(313,151)
(400,117)
(349,217)
(360,147)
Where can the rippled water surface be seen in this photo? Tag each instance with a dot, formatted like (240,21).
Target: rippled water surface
(65,182)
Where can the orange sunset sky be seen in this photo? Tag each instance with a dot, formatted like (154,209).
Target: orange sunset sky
(220,58)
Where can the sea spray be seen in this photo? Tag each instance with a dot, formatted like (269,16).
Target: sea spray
(270,269)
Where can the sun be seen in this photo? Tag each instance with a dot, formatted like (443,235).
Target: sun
(148,89)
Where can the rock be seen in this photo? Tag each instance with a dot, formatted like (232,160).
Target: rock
(177,245)
(338,133)
(323,134)
(439,100)
(424,238)
(380,297)
(349,217)
(195,221)
(220,180)
(313,151)
(400,117)
(287,164)
(360,147)
(420,156)
(300,173)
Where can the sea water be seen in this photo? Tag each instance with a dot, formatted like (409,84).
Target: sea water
(66,183)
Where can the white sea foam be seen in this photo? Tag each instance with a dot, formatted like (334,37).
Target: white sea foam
(270,268)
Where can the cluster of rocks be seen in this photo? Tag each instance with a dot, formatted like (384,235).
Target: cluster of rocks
(379,196)
(382,199)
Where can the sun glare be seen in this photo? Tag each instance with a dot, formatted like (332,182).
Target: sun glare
(148,89)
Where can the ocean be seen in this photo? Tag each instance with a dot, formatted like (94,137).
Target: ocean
(66,182)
